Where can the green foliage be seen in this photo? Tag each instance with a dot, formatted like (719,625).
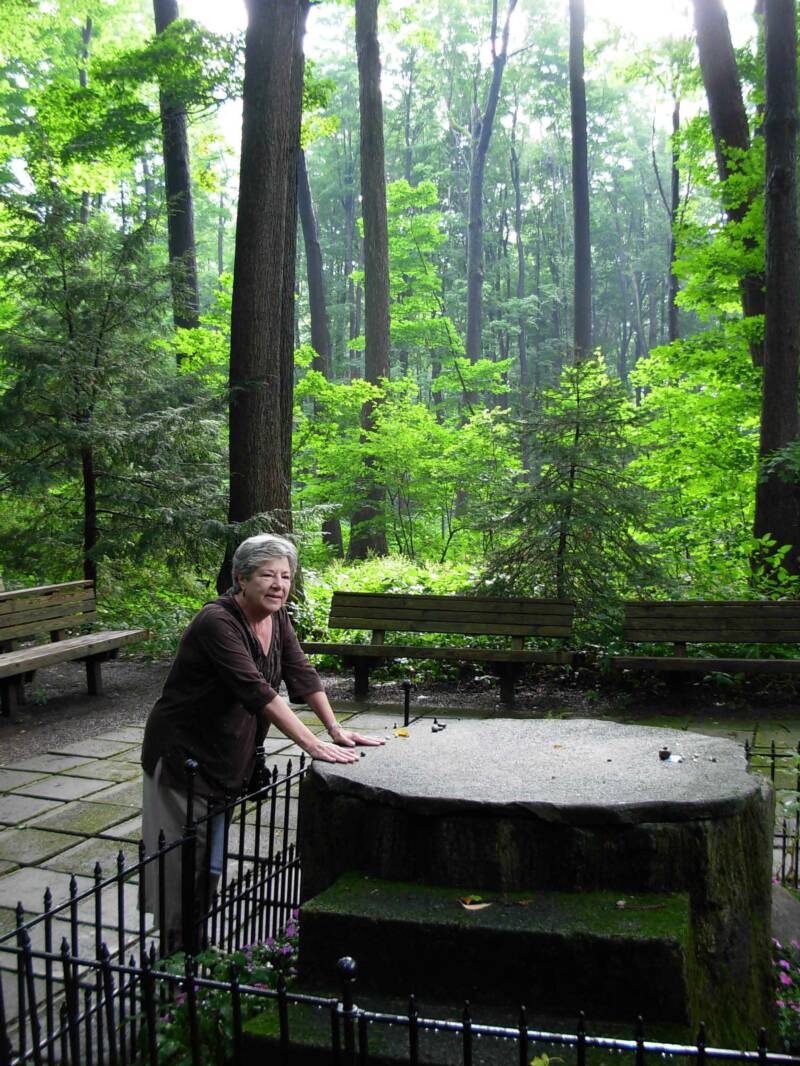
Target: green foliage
(698,449)
(573,528)
(786,959)
(439,475)
(257,965)
(85,381)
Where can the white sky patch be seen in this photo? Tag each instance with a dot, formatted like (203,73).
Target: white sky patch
(647,21)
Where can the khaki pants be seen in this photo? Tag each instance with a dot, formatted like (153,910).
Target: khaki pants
(164,808)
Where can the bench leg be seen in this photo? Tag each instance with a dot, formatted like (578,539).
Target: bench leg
(361,670)
(508,675)
(12,695)
(94,677)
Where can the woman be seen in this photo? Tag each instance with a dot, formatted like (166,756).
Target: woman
(219,699)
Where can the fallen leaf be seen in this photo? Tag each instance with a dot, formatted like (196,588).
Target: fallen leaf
(400,732)
(474,906)
(558,745)
(470,899)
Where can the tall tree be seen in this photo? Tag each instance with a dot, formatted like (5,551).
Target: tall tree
(259,379)
(178,186)
(580,184)
(778,497)
(481,136)
(320,332)
(367,533)
(730,130)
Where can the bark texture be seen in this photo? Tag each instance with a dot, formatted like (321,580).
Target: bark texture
(261,321)
(368,534)
(178,186)
(580,185)
(729,127)
(778,500)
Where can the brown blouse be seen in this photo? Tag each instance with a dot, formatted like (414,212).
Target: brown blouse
(220,680)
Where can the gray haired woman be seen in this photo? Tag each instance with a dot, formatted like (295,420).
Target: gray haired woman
(219,699)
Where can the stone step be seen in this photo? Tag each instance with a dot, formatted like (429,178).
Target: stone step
(613,956)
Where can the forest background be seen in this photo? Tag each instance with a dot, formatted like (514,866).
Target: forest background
(495,448)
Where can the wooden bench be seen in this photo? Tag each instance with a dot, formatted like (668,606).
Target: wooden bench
(468,615)
(684,622)
(53,609)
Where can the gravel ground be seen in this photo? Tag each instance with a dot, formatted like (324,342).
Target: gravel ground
(60,710)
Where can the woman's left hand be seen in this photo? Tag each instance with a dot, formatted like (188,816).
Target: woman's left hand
(347,739)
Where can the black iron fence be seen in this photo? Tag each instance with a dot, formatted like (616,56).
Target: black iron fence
(782,766)
(88,980)
(75,973)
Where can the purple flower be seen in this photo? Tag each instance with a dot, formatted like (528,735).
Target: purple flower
(295,914)
(270,944)
(785,979)
(777,942)
(290,930)
(780,1002)
(287,950)
(784,964)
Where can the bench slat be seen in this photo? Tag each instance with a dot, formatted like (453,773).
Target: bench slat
(720,634)
(687,665)
(53,610)
(435,625)
(31,629)
(709,605)
(419,651)
(11,608)
(481,605)
(45,590)
(424,614)
(789,614)
(13,663)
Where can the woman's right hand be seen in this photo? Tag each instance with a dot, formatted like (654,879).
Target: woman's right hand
(325,752)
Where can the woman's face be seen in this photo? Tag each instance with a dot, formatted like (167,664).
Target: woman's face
(266,589)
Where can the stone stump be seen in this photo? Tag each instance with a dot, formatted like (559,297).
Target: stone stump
(588,845)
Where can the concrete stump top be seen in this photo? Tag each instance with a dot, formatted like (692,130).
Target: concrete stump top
(578,771)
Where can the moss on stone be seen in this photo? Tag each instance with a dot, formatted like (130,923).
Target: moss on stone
(644,915)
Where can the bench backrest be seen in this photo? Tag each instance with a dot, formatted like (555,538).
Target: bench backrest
(479,615)
(723,621)
(47,609)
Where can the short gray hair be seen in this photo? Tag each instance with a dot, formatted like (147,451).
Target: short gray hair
(255,551)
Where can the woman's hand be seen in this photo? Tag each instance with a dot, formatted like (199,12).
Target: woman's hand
(324,752)
(347,739)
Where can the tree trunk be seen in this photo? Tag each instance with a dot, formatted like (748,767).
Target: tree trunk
(730,130)
(778,499)
(90,531)
(83,81)
(580,185)
(367,533)
(522,341)
(288,337)
(221,234)
(481,136)
(178,185)
(320,333)
(674,207)
(263,269)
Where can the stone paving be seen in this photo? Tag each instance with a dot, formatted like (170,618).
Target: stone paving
(79,804)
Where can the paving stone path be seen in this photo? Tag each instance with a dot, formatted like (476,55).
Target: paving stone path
(79,804)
